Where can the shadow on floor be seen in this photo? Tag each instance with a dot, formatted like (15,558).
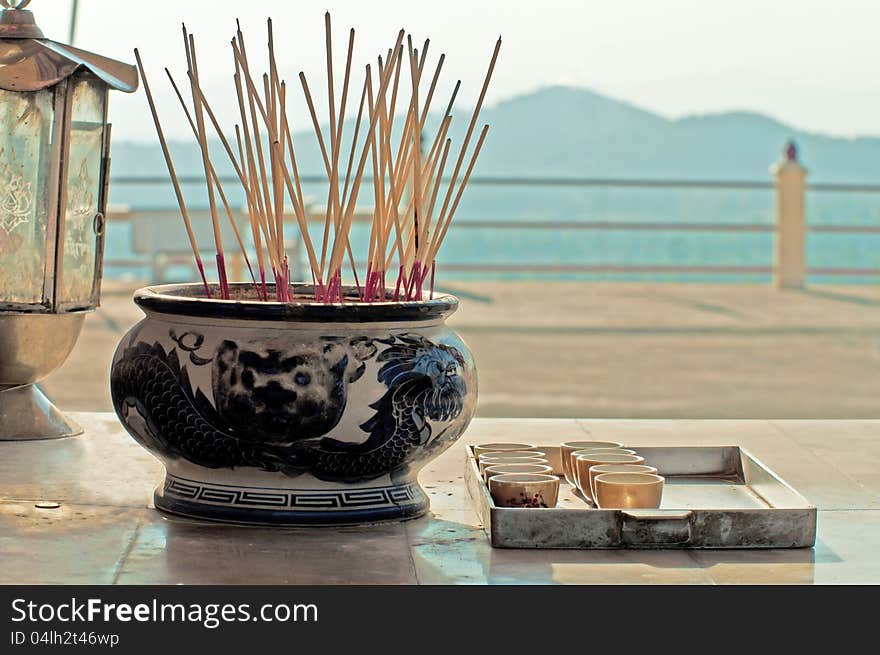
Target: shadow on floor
(841,297)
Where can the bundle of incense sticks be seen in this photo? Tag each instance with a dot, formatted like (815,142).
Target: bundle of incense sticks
(414,196)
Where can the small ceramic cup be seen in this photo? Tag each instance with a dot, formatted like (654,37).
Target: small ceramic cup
(512,453)
(595,451)
(619,451)
(629,490)
(599,469)
(500,459)
(530,490)
(490,447)
(503,469)
(583,463)
(569,447)
(554,455)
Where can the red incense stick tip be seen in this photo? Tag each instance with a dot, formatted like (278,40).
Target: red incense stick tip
(397,284)
(204,279)
(265,295)
(279,286)
(221,273)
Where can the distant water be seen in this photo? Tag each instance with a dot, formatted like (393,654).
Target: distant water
(587,247)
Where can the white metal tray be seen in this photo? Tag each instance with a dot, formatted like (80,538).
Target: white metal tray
(714,497)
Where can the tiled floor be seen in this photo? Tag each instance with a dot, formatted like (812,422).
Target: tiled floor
(104,531)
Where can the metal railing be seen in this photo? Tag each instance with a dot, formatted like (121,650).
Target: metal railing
(789,212)
(643,183)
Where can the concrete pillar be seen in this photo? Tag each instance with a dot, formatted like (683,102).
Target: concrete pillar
(235,260)
(789,266)
(236,267)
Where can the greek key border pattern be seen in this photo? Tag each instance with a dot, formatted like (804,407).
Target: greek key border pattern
(294,499)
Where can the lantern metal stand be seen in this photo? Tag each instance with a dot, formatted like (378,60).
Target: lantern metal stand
(54,172)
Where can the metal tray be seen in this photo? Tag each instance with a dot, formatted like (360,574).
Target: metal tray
(714,497)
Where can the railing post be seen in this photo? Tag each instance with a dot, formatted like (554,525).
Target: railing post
(236,261)
(789,266)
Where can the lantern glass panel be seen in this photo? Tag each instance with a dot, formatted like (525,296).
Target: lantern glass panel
(83,192)
(26,170)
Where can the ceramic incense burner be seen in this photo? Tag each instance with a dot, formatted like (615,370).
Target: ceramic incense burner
(299,413)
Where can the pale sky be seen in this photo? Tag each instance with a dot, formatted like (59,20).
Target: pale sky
(812,63)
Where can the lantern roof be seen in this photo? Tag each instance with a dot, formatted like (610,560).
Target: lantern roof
(30,62)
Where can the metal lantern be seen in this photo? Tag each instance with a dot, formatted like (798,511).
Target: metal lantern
(54,168)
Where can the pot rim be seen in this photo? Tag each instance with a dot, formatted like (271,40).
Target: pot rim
(185,300)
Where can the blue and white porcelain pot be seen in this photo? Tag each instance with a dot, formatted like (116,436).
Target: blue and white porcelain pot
(298,413)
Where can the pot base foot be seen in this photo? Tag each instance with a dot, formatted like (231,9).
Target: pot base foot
(289,507)
(27,414)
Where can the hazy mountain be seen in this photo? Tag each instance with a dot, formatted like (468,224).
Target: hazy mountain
(564,131)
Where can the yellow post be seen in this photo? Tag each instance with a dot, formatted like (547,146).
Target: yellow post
(236,261)
(789,269)
(236,267)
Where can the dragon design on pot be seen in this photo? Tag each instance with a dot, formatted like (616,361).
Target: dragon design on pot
(272,406)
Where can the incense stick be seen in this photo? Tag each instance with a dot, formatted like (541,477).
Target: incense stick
(405,233)
(174,181)
(349,213)
(438,240)
(215,178)
(193,70)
